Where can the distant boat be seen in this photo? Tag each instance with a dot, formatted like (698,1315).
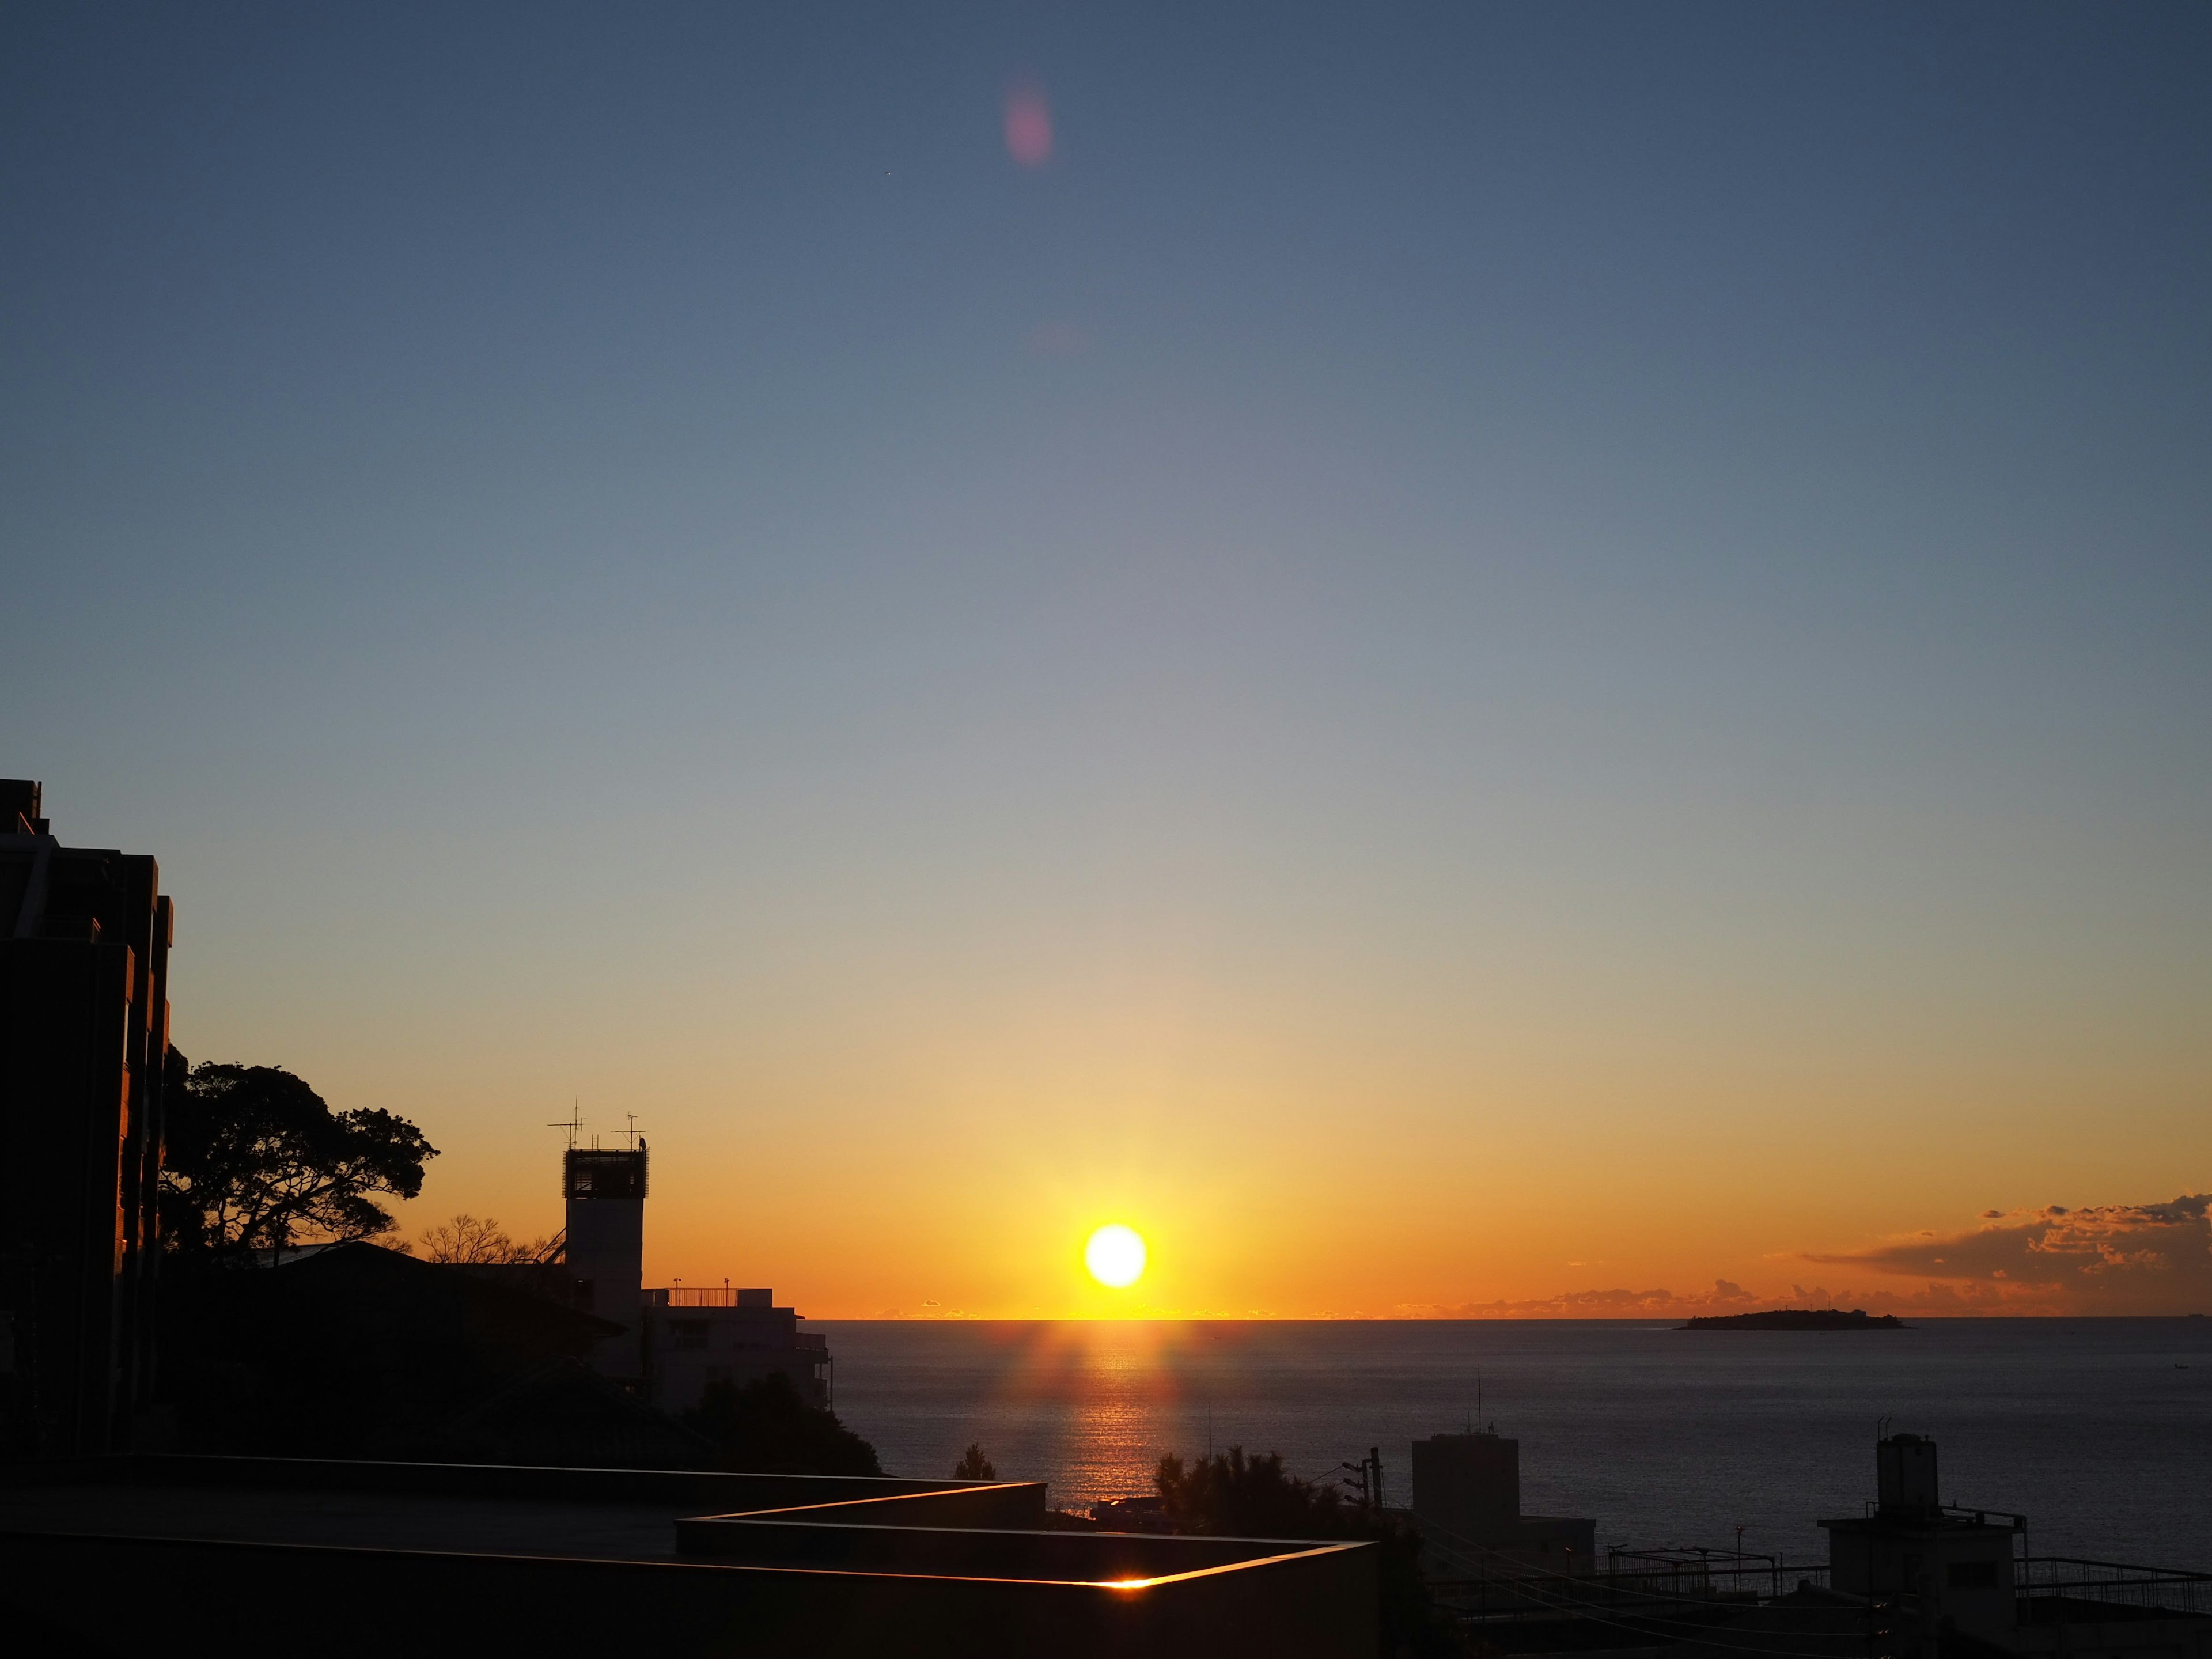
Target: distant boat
(1799,1319)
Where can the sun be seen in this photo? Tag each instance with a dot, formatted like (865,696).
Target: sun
(1115,1256)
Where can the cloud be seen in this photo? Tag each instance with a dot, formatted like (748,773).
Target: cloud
(1724,1296)
(2145,1259)
(931,1308)
(2101,1259)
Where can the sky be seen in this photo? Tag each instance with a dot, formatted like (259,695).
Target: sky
(1460,660)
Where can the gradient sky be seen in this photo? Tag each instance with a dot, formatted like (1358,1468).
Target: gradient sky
(1445,656)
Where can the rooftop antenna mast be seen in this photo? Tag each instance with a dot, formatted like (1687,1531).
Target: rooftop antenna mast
(574,1124)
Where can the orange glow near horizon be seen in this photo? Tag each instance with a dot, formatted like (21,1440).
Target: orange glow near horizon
(940,1173)
(1238,1197)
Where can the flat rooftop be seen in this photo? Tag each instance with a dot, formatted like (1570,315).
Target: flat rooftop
(235,1556)
(605,1531)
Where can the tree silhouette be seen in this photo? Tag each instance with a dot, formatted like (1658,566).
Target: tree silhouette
(255,1159)
(973,1466)
(765,1428)
(1233,1496)
(467,1241)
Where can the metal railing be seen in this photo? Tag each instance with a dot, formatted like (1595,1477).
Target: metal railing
(678,1296)
(2037,1576)
(1492,1582)
(1625,1595)
(1488,1583)
(1701,1572)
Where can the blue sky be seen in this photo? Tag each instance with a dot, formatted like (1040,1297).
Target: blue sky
(1523,579)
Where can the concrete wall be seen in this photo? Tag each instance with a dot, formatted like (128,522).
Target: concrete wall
(1955,1571)
(1093,1557)
(132,1596)
(706,1492)
(969,1580)
(989,1504)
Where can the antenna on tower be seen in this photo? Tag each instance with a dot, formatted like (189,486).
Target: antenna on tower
(574,1125)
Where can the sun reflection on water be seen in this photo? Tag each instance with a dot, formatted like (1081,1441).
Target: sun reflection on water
(1100,1403)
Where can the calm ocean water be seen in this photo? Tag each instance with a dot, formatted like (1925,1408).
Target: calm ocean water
(2101,1431)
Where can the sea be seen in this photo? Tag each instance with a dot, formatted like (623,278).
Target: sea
(2099,1431)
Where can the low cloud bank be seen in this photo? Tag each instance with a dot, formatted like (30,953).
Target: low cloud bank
(2104,1259)
(2150,1259)
(1723,1297)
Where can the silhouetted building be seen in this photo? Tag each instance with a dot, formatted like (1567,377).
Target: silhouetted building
(696,1338)
(606,1250)
(1914,1577)
(84,1031)
(1942,1579)
(1467,1499)
(675,1342)
(1953,1566)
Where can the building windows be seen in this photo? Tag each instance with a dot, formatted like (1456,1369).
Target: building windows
(594,1174)
(687,1333)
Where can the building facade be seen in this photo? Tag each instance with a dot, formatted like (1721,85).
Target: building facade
(694,1338)
(1953,1567)
(605,1192)
(84,1041)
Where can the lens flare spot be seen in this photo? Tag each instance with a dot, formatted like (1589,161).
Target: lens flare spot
(1029,124)
(1115,1256)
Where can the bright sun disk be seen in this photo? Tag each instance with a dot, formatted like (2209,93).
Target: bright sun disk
(1115,1256)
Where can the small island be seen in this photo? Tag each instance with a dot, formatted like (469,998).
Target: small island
(1799,1319)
